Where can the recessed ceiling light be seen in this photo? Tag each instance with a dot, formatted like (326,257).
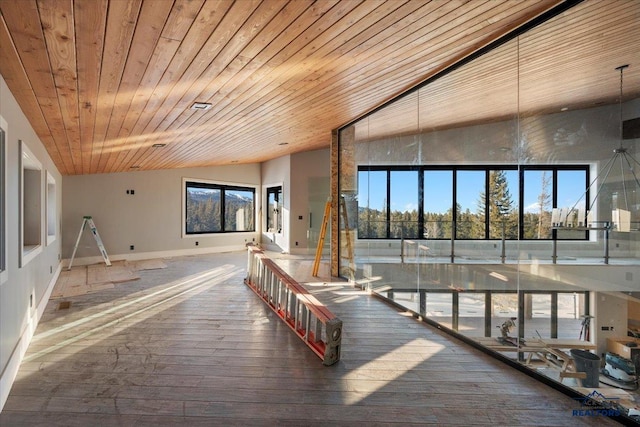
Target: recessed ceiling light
(564,109)
(201,106)
(159,145)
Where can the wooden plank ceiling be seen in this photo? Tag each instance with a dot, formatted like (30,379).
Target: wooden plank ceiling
(102,81)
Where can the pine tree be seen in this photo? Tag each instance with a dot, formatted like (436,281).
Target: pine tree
(501,207)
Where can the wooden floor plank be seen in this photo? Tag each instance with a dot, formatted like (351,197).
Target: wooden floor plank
(191,344)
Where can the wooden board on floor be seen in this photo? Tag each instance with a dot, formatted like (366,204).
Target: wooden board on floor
(69,282)
(147,264)
(118,272)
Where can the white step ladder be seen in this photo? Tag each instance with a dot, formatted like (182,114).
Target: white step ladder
(92,226)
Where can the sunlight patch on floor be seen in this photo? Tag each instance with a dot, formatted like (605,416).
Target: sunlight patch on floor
(163,299)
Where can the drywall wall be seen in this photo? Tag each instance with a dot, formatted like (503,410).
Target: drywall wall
(610,318)
(277,172)
(24,290)
(305,186)
(144,210)
(310,190)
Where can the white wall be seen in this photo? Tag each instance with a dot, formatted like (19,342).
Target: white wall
(310,191)
(150,219)
(277,172)
(305,186)
(26,290)
(610,311)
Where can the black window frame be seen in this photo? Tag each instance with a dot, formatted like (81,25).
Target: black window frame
(276,190)
(518,199)
(223,188)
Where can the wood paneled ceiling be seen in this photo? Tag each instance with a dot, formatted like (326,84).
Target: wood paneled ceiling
(103,81)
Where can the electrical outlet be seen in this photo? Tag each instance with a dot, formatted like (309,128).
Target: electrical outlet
(197,243)
(132,247)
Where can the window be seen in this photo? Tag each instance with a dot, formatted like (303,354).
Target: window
(3,193)
(372,201)
(218,208)
(482,202)
(502,204)
(569,189)
(30,205)
(538,202)
(274,209)
(438,203)
(545,188)
(238,209)
(470,204)
(403,200)
(51,209)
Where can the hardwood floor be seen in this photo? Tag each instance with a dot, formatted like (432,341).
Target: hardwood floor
(190,344)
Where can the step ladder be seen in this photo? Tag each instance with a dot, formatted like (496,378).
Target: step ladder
(88,220)
(323,231)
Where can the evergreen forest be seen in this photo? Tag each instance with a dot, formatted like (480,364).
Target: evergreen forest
(204,210)
(499,205)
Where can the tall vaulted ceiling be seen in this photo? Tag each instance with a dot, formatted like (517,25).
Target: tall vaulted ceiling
(105,82)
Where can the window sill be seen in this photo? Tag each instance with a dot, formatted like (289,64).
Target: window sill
(29,252)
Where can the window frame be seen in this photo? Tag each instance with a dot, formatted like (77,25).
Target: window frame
(276,189)
(385,209)
(223,187)
(32,163)
(518,199)
(51,203)
(554,196)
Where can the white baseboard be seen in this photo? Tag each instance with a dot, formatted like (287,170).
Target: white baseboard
(153,255)
(10,372)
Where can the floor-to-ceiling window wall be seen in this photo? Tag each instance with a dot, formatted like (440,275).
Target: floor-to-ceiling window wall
(502,202)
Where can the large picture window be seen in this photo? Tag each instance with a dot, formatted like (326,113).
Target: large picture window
(479,202)
(218,208)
